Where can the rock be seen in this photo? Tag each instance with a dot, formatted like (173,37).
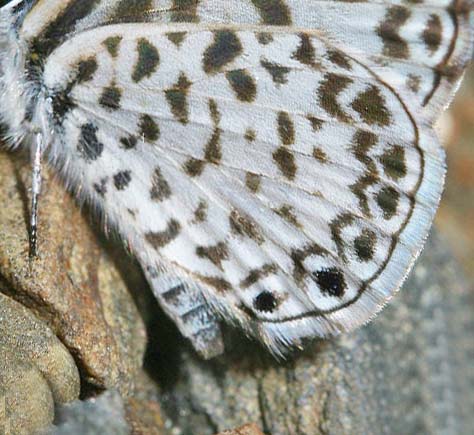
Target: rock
(248,429)
(26,400)
(66,313)
(144,417)
(31,343)
(73,286)
(104,415)
(409,371)
(36,370)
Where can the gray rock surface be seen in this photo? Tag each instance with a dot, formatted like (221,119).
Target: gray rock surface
(104,415)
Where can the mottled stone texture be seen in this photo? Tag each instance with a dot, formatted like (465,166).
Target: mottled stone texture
(36,370)
(104,415)
(409,371)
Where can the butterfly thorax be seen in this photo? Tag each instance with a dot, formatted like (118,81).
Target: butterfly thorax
(17,90)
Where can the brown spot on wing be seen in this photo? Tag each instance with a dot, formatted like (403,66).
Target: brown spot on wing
(371,106)
(256,275)
(285,162)
(329,90)
(148,60)
(149,129)
(213,151)
(278,72)
(363,141)
(393,162)
(306,53)
(250,135)
(316,123)
(364,245)
(176,38)
(219,284)
(89,146)
(128,142)
(159,239)
(200,214)
(110,97)
(101,186)
(286,128)
(112,43)
(286,212)
(177,98)
(336,226)
(194,167)
(320,155)
(264,38)
(252,181)
(86,69)
(414,82)
(433,33)
(215,254)
(244,226)
(184,11)
(129,10)
(338,58)
(389,30)
(122,179)
(224,49)
(160,189)
(387,199)
(273,12)
(243,84)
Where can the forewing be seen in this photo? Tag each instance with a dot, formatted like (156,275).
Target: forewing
(421,47)
(281,179)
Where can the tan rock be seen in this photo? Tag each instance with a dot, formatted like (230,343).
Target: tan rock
(144,417)
(31,345)
(25,397)
(68,312)
(248,429)
(73,285)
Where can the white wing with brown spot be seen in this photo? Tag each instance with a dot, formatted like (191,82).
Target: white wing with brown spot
(419,46)
(258,171)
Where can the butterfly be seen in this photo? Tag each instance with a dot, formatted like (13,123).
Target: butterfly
(270,163)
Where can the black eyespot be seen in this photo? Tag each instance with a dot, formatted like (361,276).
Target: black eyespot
(265,302)
(331,281)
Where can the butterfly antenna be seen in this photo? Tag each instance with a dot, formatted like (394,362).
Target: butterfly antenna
(35,192)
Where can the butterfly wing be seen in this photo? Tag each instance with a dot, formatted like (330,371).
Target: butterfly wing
(266,175)
(421,47)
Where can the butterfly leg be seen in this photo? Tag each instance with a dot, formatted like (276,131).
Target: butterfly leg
(186,306)
(35,192)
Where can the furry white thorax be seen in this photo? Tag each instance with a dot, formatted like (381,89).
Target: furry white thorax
(17,94)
